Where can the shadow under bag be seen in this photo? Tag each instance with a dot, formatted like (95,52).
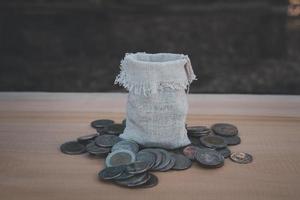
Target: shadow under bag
(157,101)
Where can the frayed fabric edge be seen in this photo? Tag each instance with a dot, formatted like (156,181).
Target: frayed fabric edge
(144,88)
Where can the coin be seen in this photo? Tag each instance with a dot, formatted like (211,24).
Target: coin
(194,140)
(209,158)
(182,162)
(126,144)
(153,181)
(87,138)
(225,152)
(111,172)
(234,140)
(72,148)
(190,151)
(166,158)
(170,164)
(125,175)
(135,180)
(120,157)
(147,157)
(158,156)
(137,167)
(241,157)
(198,131)
(107,140)
(114,129)
(101,123)
(95,150)
(213,141)
(224,129)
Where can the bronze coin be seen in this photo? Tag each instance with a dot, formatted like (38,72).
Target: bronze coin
(153,181)
(95,150)
(114,129)
(182,162)
(234,140)
(209,158)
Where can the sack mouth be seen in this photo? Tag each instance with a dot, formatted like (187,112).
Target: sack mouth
(155,58)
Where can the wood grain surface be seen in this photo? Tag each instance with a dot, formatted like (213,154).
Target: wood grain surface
(33,125)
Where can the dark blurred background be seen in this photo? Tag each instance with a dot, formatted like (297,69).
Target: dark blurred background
(236,46)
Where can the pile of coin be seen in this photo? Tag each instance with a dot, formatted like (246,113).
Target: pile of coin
(129,164)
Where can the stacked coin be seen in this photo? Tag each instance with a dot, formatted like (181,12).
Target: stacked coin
(128,164)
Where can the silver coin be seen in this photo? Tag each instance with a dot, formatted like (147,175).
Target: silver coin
(95,150)
(241,157)
(209,158)
(120,157)
(111,172)
(158,156)
(166,159)
(182,162)
(153,181)
(126,144)
(136,180)
(147,157)
(137,167)
(125,175)
(107,140)
(170,164)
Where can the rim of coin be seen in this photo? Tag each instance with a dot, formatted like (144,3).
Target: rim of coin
(170,165)
(136,180)
(109,173)
(158,156)
(126,144)
(209,158)
(241,157)
(101,123)
(120,157)
(153,181)
(182,162)
(213,141)
(225,129)
(190,151)
(146,156)
(225,152)
(72,148)
(87,138)
(234,140)
(114,129)
(137,167)
(166,159)
(95,150)
(106,140)
(198,131)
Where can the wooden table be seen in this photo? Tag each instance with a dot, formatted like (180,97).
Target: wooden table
(33,125)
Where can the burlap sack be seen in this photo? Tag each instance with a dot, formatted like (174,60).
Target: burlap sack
(157,101)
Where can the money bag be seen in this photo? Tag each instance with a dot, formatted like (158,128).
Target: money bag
(158,85)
